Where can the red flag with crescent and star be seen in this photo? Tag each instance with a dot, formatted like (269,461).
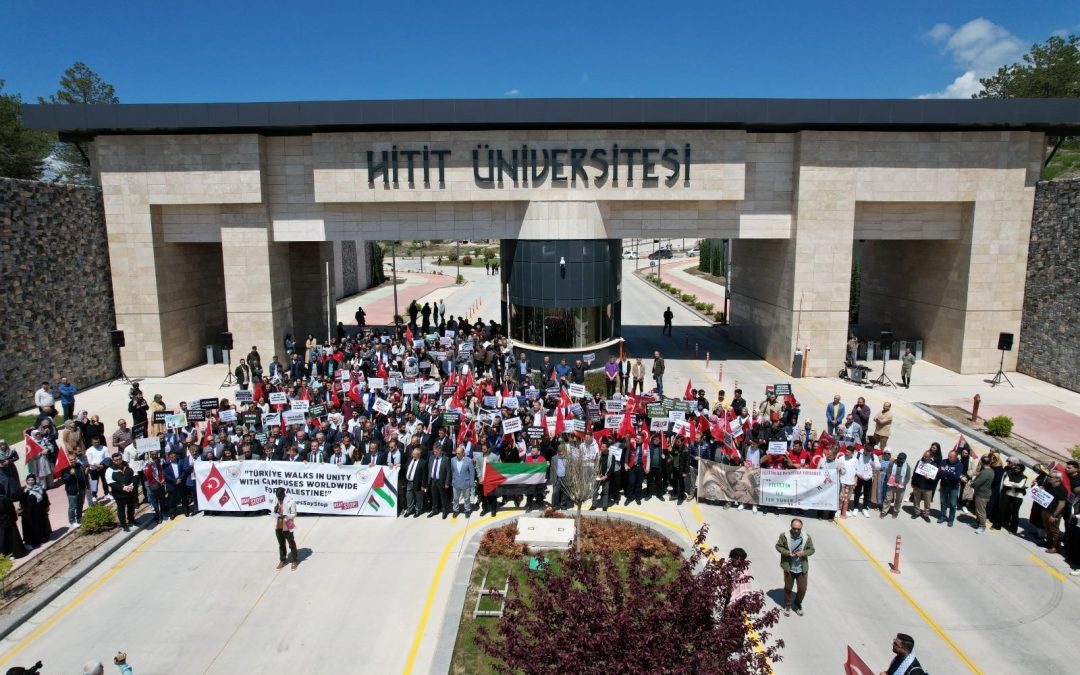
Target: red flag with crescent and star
(213,482)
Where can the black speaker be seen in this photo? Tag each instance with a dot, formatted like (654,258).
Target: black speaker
(886,337)
(226,341)
(117,338)
(1005,342)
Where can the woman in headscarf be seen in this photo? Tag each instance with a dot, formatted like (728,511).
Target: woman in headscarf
(35,513)
(156,406)
(10,542)
(9,470)
(42,465)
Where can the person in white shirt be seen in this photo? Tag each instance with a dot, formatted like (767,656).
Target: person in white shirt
(863,465)
(845,465)
(95,461)
(283,511)
(44,399)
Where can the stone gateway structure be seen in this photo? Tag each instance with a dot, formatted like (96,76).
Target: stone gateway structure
(234,216)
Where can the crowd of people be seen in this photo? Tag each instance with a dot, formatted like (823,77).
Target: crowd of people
(432,398)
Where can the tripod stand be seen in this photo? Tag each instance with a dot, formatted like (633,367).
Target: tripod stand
(1000,375)
(230,379)
(123,377)
(883,379)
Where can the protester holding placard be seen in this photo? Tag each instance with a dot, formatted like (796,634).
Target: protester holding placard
(1013,488)
(923,482)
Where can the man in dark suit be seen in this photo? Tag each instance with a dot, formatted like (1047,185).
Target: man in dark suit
(439,483)
(605,470)
(177,471)
(416,478)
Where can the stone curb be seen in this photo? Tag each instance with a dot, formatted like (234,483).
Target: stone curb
(444,647)
(55,587)
(978,435)
(710,320)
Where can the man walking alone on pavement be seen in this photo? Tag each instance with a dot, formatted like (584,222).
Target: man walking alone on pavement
(668,316)
(283,509)
(795,550)
(658,372)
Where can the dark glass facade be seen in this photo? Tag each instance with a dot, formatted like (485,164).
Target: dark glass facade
(563,294)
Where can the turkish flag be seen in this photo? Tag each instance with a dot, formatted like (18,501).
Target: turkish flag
(626,427)
(408,336)
(381,370)
(208,434)
(564,399)
(825,440)
(33,448)
(689,388)
(213,483)
(62,462)
(560,425)
(354,391)
(855,665)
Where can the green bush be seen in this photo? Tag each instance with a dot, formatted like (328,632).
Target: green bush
(7,563)
(689,297)
(596,382)
(700,305)
(999,426)
(98,518)
(460,279)
(466,260)
(1075,451)
(709,307)
(719,316)
(453,257)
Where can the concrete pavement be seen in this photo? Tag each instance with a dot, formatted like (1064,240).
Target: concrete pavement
(201,595)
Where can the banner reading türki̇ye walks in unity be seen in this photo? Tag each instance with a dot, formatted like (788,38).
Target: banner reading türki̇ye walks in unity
(316,488)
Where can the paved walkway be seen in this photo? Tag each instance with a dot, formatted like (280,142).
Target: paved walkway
(378,303)
(992,603)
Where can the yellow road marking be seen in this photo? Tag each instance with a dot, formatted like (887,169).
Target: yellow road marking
(888,576)
(414,649)
(1053,572)
(79,599)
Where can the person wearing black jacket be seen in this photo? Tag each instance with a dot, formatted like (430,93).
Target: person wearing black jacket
(605,469)
(439,483)
(415,484)
(122,487)
(76,484)
(138,407)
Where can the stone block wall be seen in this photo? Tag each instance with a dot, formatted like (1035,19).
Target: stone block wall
(55,274)
(1050,332)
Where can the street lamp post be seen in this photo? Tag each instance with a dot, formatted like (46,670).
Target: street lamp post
(393,270)
(457,249)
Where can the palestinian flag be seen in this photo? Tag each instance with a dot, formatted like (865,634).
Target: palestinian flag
(513,473)
(385,492)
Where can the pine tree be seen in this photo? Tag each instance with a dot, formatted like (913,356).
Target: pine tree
(78,86)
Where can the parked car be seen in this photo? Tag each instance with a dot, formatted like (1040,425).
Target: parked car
(629,255)
(661,254)
(693,252)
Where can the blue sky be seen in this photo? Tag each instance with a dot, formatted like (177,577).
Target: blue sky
(169,51)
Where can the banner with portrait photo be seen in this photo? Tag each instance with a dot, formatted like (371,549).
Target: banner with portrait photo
(795,489)
(728,482)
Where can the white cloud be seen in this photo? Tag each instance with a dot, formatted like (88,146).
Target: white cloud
(512,92)
(979,47)
(1066,32)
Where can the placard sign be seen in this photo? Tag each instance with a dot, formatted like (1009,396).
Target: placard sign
(511,425)
(377,383)
(677,416)
(279,398)
(656,411)
(777,447)
(430,387)
(300,404)
(1041,497)
(176,421)
(244,395)
(344,375)
(208,404)
(410,388)
(534,433)
(552,391)
(159,416)
(291,417)
(448,390)
(250,419)
(491,401)
(511,402)
(317,410)
(782,389)
(615,405)
(271,420)
(451,419)
(195,415)
(588,358)
(612,421)
(575,425)
(658,424)
(144,445)
(577,391)
(927,470)
(227,416)
(382,406)
(593,411)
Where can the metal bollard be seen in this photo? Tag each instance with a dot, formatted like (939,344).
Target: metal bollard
(706,360)
(895,566)
(975,408)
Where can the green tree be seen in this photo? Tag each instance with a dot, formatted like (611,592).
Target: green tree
(22,150)
(79,85)
(1049,70)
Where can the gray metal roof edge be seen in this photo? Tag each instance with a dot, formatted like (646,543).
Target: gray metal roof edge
(1056,115)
